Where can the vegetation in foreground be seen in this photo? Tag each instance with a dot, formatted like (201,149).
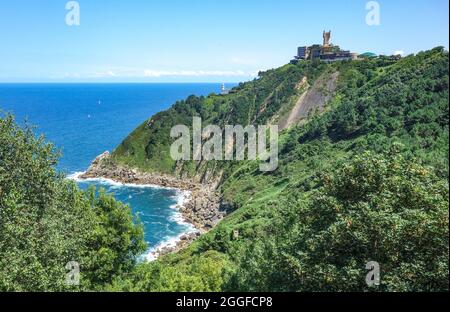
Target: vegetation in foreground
(47,222)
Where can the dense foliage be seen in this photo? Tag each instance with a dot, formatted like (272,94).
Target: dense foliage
(375,208)
(366,180)
(255,102)
(47,222)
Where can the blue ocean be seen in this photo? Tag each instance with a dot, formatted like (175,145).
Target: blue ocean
(84,120)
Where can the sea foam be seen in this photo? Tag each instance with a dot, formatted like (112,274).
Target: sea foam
(181,197)
(171,241)
(76,176)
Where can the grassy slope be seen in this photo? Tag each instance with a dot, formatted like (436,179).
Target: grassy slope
(378,103)
(255,102)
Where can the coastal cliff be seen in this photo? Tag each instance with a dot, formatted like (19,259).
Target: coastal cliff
(203,208)
(363,174)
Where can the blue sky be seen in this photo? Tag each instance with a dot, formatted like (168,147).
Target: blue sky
(197,40)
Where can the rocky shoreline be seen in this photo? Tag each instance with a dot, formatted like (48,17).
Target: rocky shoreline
(203,207)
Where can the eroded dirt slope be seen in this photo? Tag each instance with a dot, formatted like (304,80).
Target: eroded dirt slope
(313,99)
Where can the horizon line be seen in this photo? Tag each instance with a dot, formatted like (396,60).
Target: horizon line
(119,82)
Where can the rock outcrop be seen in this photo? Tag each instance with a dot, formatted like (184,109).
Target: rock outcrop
(203,209)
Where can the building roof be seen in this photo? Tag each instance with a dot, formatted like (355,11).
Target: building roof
(368,54)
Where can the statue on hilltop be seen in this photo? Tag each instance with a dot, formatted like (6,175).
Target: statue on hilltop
(326,38)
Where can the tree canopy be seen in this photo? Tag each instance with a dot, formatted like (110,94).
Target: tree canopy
(47,222)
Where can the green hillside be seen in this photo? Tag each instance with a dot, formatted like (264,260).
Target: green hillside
(364,179)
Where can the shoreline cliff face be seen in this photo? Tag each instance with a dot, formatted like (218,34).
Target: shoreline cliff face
(352,182)
(204,209)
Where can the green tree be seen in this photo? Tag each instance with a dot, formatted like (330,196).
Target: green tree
(380,208)
(46,221)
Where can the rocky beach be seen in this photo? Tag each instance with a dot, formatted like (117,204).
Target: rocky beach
(202,208)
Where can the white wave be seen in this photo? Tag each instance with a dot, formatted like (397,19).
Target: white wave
(181,198)
(153,252)
(171,241)
(76,176)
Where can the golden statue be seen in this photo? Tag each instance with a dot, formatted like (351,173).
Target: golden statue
(326,38)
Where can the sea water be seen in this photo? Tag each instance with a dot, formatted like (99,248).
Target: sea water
(84,120)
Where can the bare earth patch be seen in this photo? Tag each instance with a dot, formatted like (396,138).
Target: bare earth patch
(313,100)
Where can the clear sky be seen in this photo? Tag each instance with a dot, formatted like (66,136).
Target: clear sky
(198,40)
